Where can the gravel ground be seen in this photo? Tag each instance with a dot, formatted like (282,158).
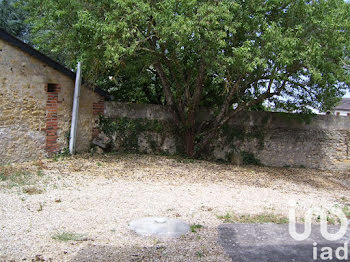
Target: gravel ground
(97,196)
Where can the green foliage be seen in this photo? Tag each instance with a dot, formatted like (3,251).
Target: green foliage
(67,137)
(134,82)
(12,19)
(229,56)
(304,43)
(62,154)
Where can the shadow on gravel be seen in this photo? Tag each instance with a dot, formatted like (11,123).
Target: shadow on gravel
(93,253)
(200,245)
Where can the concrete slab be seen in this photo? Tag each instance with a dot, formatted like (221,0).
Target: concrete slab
(159,227)
(272,243)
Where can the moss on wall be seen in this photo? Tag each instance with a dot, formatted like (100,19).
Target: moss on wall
(298,118)
(144,135)
(132,134)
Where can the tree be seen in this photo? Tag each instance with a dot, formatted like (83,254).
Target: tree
(12,19)
(227,55)
(135,82)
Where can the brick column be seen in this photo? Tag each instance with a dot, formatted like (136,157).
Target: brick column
(97,110)
(51,119)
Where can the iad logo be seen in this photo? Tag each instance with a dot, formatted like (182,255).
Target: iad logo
(323,222)
(341,253)
(326,253)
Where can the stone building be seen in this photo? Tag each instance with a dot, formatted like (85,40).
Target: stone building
(343,109)
(36,98)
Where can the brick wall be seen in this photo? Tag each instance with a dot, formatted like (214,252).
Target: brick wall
(98,110)
(98,107)
(51,118)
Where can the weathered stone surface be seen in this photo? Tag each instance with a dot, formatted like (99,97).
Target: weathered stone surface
(164,142)
(159,227)
(134,111)
(23,102)
(274,139)
(102,142)
(236,159)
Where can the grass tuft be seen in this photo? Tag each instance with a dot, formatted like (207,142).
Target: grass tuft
(14,177)
(195,227)
(346,210)
(68,236)
(253,219)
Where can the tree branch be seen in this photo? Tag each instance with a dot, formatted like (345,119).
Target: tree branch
(213,131)
(228,101)
(199,84)
(169,97)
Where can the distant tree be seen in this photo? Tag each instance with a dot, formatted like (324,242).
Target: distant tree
(227,55)
(12,19)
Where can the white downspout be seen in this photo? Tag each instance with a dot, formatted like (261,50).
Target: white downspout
(75,111)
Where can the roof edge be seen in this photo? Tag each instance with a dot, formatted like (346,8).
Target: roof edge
(14,41)
(35,53)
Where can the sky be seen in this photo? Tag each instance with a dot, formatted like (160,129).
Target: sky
(347,95)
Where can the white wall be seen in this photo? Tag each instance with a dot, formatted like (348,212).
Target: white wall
(341,112)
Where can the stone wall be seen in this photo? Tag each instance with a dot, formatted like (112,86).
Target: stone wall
(273,139)
(34,119)
(35,114)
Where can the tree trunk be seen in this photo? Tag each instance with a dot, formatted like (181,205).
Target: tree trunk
(189,139)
